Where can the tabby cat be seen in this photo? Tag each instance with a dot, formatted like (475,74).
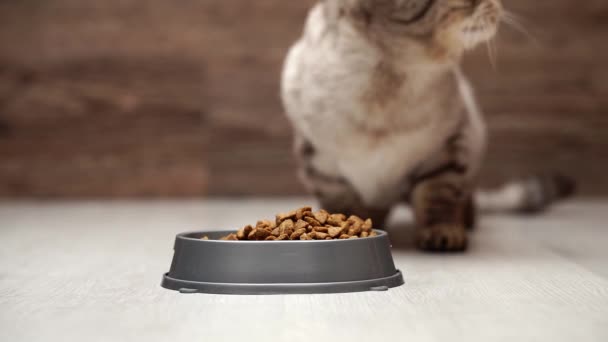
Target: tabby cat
(383,114)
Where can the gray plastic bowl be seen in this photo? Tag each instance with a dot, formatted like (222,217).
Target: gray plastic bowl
(280,267)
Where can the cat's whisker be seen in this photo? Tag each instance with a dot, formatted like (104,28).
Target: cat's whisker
(514,16)
(469,40)
(491,52)
(514,22)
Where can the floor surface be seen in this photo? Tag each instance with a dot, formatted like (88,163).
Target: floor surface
(91,271)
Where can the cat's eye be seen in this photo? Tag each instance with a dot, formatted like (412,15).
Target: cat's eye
(410,11)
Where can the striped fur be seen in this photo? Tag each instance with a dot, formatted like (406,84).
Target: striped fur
(382,113)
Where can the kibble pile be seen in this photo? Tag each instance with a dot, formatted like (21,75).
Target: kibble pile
(304,224)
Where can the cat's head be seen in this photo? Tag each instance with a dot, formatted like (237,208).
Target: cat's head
(450,26)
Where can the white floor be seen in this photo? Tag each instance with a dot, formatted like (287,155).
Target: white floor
(91,271)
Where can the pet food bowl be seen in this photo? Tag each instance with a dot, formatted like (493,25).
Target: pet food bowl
(280,267)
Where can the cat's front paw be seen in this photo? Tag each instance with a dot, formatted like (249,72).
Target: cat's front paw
(442,238)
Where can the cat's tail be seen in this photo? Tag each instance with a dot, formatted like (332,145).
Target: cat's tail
(528,195)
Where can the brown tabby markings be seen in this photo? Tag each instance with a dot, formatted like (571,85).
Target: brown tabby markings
(385,84)
(442,209)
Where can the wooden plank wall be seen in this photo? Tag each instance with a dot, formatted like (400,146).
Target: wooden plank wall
(157,98)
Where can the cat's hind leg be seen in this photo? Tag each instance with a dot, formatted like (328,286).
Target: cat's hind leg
(334,193)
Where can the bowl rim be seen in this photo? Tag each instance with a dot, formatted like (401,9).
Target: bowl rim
(184,236)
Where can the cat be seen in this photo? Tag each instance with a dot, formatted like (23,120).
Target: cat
(383,114)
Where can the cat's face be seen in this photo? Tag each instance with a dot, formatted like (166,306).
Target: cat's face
(445,24)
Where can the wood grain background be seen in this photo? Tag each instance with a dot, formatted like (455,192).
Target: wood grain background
(158,98)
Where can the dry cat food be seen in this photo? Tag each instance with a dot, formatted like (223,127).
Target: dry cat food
(304,224)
